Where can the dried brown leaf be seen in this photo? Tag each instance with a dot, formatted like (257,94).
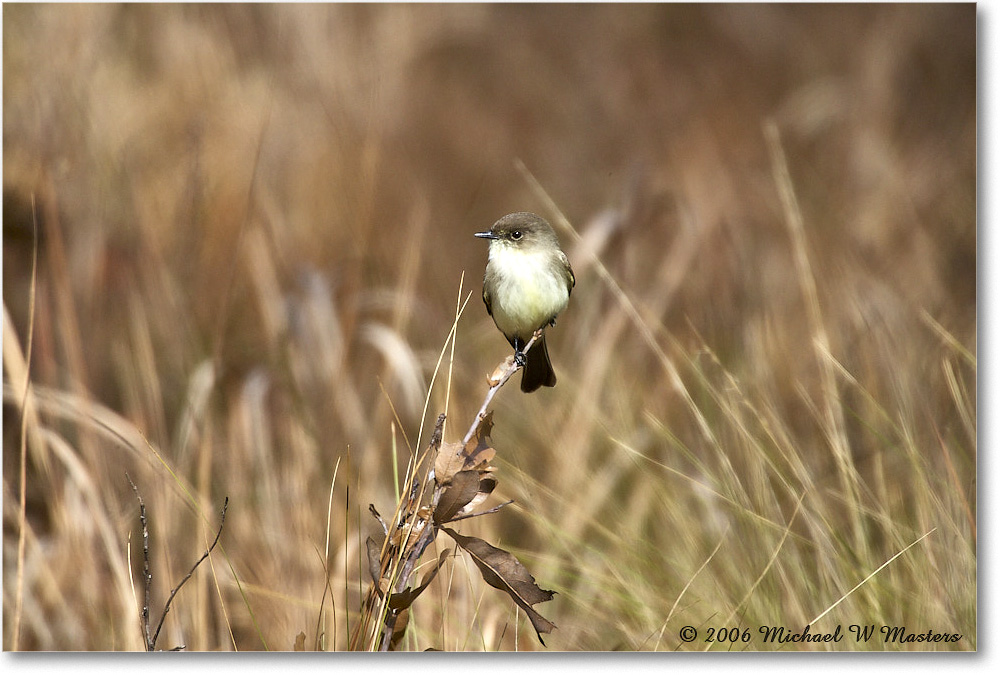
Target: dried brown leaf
(482,459)
(463,489)
(374,563)
(449,461)
(300,642)
(404,599)
(475,454)
(486,487)
(399,629)
(485,426)
(378,517)
(479,450)
(503,571)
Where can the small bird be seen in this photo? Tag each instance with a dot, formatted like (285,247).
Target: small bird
(527,284)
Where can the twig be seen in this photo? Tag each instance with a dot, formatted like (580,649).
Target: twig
(430,530)
(426,537)
(483,513)
(166,607)
(512,368)
(148,576)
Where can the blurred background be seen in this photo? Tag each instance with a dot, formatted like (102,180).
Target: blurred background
(254,229)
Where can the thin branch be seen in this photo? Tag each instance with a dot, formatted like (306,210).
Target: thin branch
(430,530)
(166,607)
(483,513)
(147,577)
(512,367)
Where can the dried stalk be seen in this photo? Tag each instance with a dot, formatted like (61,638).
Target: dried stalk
(430,529)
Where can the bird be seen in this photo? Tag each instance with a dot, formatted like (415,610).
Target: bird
(527,284)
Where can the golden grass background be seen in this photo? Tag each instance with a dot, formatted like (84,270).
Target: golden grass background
(252,226)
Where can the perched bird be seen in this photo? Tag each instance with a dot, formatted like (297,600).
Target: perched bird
(527,284)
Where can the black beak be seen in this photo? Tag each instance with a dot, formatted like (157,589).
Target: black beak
(486,235)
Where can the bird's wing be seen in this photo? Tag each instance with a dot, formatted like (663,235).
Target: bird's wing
(570,277)
(487,301)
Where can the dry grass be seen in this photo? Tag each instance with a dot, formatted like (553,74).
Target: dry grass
(252,223)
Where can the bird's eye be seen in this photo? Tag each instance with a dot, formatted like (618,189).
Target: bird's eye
(515,235)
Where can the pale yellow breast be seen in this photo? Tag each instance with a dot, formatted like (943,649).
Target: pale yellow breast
(530,292)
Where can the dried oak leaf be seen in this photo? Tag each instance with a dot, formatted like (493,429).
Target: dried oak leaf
(503,571)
